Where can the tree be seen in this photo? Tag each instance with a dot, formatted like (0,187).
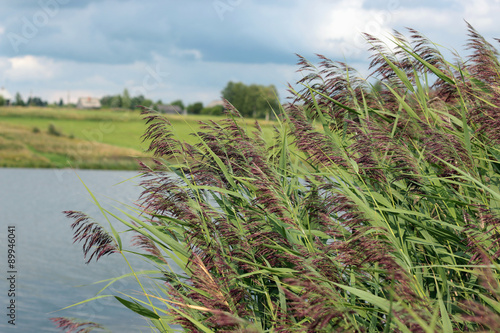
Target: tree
(116,101)
(195,108)
(236,93)
(126,101)
(255,100)
(2,100)
(19,100)
(215,110)
(179,103)
(36,101)
(106,101)
(61,103)
(141,101)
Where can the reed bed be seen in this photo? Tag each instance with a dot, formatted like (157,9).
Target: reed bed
(382,219)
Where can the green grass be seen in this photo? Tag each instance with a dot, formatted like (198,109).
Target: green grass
(104,128)
(119,128)
(21,147)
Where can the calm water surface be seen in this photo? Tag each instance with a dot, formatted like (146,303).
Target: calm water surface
(51,271)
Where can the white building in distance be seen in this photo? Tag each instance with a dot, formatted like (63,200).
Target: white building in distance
(88,103)
(215,103)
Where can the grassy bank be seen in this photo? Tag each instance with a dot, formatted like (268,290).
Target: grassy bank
(23,147)
(97,139)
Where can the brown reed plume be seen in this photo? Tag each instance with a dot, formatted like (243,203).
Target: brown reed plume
(96,240)
(70,325)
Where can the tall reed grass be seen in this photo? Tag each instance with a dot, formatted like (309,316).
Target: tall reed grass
(373,210)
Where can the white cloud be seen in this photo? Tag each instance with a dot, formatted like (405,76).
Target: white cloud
(97,80)
(30,68)
(337,26)
(482,14)
(431,19)
(4,65)
(331,28)
(341,28)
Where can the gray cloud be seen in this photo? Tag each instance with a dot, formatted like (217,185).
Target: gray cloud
(127,31)
(102,46)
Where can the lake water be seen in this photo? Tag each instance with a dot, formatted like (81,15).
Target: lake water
(50,268)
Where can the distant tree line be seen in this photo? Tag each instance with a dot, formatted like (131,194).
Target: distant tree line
(256,101)
(19,101)
(125,101)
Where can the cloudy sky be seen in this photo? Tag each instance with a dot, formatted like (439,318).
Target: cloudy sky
(190,49)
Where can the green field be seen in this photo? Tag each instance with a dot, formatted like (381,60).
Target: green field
(97,139)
